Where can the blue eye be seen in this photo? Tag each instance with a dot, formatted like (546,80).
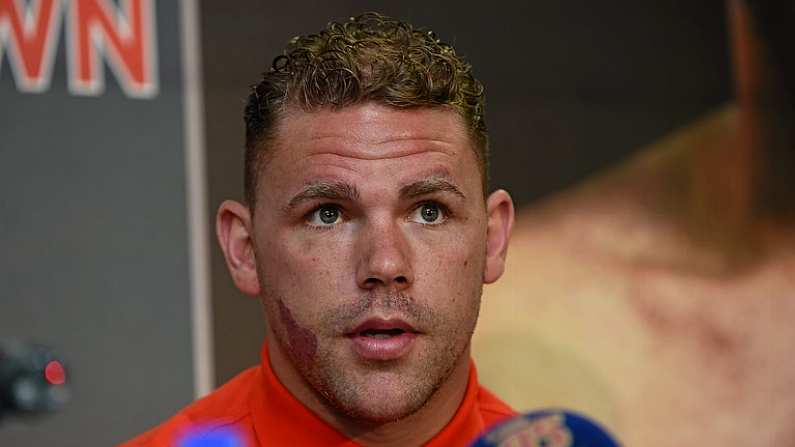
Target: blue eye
(324,216)
(429,214)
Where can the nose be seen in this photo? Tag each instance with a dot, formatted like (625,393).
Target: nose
(384,259)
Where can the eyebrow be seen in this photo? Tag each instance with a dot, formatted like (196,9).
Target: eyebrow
(324,190)
(429,186)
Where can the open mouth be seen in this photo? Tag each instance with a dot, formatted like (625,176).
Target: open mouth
(381,333)
(380,339)
(381,328)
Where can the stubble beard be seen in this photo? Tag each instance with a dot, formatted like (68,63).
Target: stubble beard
(377,393)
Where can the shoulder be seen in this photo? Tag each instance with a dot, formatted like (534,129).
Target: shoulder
(492,408)
(228,406)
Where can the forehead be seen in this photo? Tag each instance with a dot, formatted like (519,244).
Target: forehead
(366,128)
(372,140)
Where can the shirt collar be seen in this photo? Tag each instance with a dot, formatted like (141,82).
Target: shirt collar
(280,419)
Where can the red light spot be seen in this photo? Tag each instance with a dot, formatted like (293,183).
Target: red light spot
(54,373)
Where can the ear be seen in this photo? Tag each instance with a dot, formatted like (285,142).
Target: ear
(234,231)
(499,208)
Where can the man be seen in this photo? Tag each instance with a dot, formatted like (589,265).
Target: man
(658,297)
(368,235)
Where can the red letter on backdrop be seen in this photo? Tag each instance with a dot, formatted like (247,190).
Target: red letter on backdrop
(126,38)
(30,35)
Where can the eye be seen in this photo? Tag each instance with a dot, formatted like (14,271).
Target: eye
(325,216)
(429,214)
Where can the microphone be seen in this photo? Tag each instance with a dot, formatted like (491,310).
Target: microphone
(547,428)
(223,437)
(32,379)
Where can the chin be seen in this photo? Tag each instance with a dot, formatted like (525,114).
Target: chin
(381,400)
(378,394)
(384,410)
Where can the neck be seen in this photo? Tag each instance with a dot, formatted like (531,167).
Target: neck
(415,429)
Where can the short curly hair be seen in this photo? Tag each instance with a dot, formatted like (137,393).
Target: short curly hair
(368,58)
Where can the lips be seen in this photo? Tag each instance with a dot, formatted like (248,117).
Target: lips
(382,339)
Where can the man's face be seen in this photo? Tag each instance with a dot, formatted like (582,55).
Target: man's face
(370,238)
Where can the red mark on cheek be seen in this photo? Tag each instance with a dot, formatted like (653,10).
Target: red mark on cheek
(303,343)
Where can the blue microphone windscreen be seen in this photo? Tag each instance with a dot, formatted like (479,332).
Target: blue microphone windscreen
(223,437)
(547,428)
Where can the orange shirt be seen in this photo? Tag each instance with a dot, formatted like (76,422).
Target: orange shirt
(259,410)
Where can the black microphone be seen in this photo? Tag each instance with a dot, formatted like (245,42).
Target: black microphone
(32,379)
(547,428)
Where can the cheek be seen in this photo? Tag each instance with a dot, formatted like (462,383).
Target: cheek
(465,257)
(303,265)
(469,281)
(298,279)
(302,341)
(455,274)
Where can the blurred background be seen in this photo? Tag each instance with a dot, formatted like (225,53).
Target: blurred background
(121,131)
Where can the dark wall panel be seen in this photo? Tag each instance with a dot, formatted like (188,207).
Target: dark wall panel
(93,245)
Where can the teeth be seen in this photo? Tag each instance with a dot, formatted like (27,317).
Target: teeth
(379,335)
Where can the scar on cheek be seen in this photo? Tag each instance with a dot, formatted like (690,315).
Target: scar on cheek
(302,341)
